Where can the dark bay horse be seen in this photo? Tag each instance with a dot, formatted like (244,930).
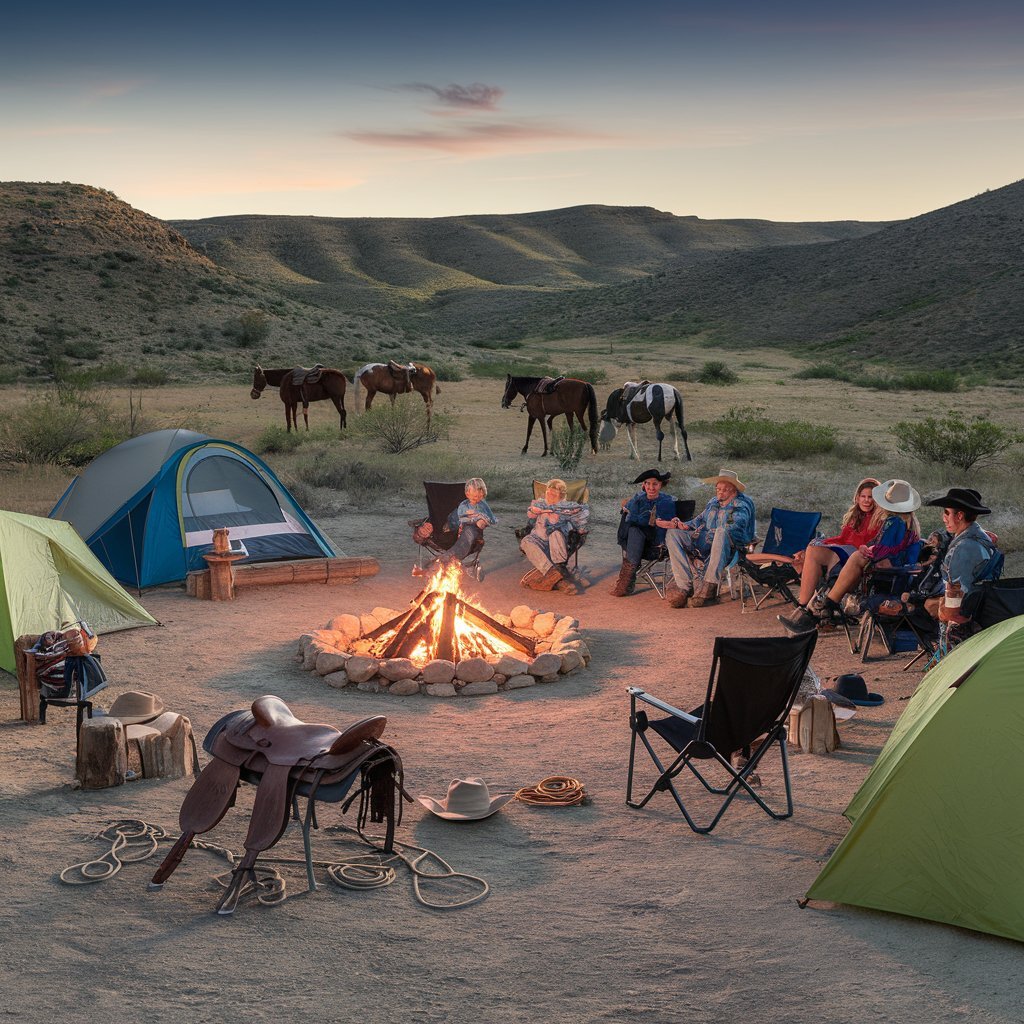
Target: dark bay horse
(641,403)
(332,384)
(393,379)
(570,397)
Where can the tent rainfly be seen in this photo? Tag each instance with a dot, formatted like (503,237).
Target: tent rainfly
(148,507)
(48,577)
(938,825)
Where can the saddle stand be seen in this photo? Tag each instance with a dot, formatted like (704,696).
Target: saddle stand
(286,758)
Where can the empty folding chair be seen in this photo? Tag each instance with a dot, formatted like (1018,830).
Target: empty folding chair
(751,688)
(772,567)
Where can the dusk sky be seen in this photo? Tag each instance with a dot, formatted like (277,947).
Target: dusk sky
(785,111)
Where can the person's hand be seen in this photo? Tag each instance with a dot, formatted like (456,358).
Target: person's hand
(481,523)
(951,615)
(864,551)
(427,529)
(532,512)
(798,559)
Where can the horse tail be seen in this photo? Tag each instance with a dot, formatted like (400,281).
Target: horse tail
(357,379)
(681,424)
(593,414)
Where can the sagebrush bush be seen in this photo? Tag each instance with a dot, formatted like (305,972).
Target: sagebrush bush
(276,441)
(402,426)
(446,371)
(498,368)
(954,441)
(568,446)
(717,372)
(748,433)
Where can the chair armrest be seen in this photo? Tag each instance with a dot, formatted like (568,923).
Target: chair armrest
(760,559)
(415,522)
(639,694)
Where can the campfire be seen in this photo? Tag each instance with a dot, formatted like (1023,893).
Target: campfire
(442,624)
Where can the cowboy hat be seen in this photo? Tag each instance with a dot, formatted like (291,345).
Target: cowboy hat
(896,496)
(967,499)
(851,687)
(726,476)
(136,706)
(467,800)
(653,474)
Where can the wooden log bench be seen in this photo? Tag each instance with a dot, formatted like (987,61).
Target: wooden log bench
(269,574)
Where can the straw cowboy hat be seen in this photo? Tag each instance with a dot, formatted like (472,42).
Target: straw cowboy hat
(467,800)
(967,499)
(135,707)
(896,496)
(726,476)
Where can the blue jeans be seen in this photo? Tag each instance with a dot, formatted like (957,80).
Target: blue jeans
(714,549)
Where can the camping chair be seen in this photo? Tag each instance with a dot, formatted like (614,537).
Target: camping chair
(993,602)
(751,688)
(443,499)
(654,566)
(772,568)
(576,490)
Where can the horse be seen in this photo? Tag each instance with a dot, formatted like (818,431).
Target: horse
(331,384)
(570,397)
(393,379)
(641,403)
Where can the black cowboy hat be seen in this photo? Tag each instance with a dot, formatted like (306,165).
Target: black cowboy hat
(967,499)
(652,474)
(853,688)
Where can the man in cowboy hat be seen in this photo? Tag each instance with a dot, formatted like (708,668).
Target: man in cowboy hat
(642,526)
(725,526)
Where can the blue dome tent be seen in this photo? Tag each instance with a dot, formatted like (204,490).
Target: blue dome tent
(147,508)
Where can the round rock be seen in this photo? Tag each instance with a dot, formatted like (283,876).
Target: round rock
(508,665)
(404,687)
(368,623)
(439,671)
(347,624)
(398,668)
(522,616)
(479,689)
(330,661)
(518,682)
(474,670)
(441,690)
(360,669)
(339,680)
(544,623)
(543,665)
(571,660)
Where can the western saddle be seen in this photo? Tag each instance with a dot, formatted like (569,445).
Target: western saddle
(286,758)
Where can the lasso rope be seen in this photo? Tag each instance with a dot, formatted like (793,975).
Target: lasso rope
(133,840)
(554,791)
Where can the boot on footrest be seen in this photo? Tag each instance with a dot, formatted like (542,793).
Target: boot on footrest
(707,594)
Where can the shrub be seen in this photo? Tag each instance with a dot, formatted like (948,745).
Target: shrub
(496,343)
(401,427)
(150,376)
(716,372)
(822,371)
(498,368)
(568,446)
(249,329)
(446,371)
(748,433)
(955,442)
(277,440)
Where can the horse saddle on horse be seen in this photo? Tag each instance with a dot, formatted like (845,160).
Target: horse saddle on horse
(306,375)
(634,390)
(285,758)
(548,385)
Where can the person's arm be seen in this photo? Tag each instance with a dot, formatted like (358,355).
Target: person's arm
(485,509)
(633,513)
(966,562)
(738,524)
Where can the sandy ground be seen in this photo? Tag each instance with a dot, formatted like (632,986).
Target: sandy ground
(598,913)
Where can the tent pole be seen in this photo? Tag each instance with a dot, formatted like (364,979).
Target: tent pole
(135,562)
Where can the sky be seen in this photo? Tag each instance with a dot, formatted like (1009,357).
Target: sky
(793,110)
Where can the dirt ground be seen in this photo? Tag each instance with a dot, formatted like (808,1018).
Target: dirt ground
(597,914)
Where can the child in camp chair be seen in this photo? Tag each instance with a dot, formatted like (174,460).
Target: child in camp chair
(470,519)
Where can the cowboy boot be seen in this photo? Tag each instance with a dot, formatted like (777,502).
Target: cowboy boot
(674,596)
(626,583)
(566,584)
(708,594)
(549,579)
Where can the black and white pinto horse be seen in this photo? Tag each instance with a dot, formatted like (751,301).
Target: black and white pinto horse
(641,403)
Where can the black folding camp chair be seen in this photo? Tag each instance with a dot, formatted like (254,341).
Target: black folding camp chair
(443,498)
(772,568)
(751,688)
(654,568)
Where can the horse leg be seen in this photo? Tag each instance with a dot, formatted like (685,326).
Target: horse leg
(305,416)
(544,434)
(288,417)
(631,436)
(339,405)
(529,431)
(369,399)
(675,442)
(660,435)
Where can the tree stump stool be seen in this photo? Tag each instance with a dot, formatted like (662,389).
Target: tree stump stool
(102,754)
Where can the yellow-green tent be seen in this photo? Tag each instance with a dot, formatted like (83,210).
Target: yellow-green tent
(48,577)
(938,826)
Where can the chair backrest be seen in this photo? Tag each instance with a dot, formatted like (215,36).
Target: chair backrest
(576,490)
(994,601)
(443,498)
(752,686)
(686,508)
(789,531)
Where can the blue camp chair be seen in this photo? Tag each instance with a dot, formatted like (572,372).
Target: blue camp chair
(772,568)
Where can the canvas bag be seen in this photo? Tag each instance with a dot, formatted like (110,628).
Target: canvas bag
(812,726)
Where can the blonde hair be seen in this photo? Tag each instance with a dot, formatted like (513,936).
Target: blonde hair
(855,518)
(558,485)
(476,484)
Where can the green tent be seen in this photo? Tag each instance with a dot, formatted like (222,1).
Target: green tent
(48,577)
(938,825)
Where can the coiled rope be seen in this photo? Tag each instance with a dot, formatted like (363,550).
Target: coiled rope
(554,791)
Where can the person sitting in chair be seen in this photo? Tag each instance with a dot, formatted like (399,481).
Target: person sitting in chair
(470,519)
(713,537)
(641,527)
(546,545)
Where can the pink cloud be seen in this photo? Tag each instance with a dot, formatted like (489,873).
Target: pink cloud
(478,137)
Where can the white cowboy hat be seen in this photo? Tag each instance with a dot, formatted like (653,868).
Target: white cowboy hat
(134,707)
(467,800)
(896,496)
(726,476)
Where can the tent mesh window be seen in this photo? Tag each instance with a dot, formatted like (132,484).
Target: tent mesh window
(221,491)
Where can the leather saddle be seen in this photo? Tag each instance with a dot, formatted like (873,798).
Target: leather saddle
(633,391)
(285,758)
(547,385)
(301,375)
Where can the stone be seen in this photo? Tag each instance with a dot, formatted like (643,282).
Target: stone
(383,615)
(371,685)
(509,665)
(362,646)
(522,616)
(347,624)
(571,660)
(499,679)
(339,680)
(438,671)
(404,687)
(544,623)
(313,651)
(518,682)
(564,624)
(543,665)
(398,668)
(304,641)
(360,669)
(367,623)
(479,689)
(441,690)
(474,670)
(571,635)
(553,678)
(341,640)
(330,661)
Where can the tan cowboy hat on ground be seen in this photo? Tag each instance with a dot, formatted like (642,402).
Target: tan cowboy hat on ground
(467,800)
(135,707)
(896,496)
(726,476)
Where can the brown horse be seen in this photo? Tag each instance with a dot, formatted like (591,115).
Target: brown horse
(393,379)
(332,384)
(570,397)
